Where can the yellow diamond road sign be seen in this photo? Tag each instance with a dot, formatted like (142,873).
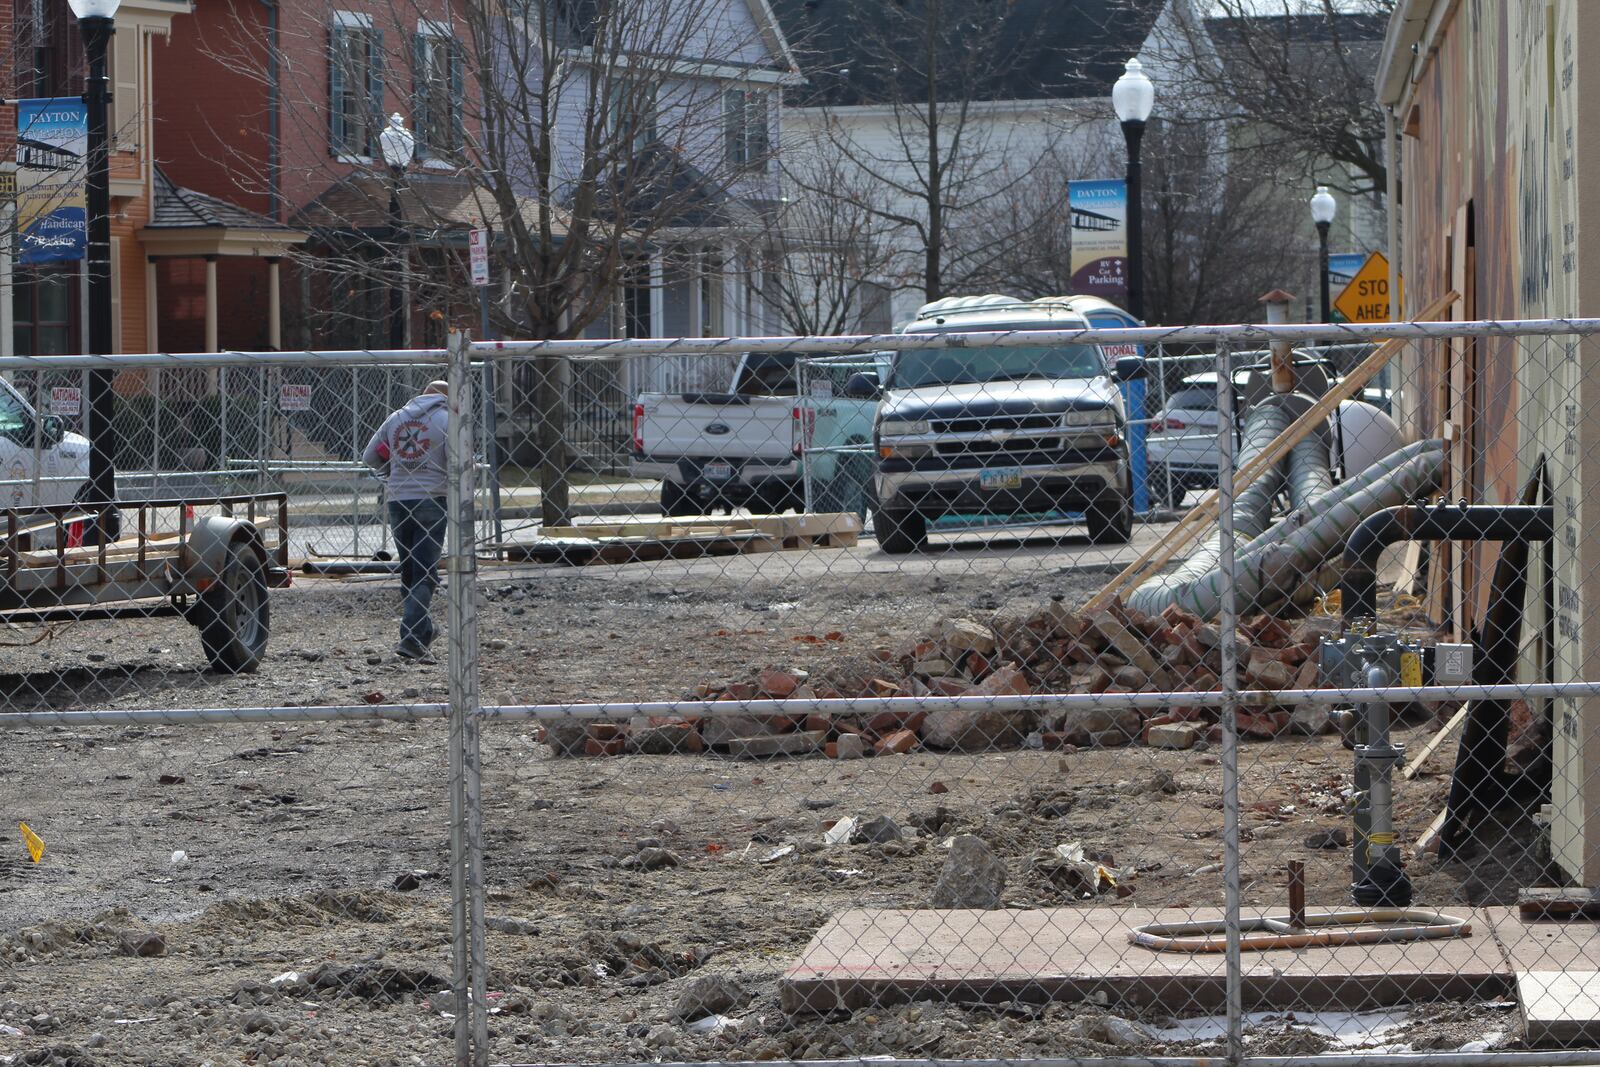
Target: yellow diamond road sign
(1366,298)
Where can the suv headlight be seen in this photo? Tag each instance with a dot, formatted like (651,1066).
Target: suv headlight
(902,428)
(1085,418)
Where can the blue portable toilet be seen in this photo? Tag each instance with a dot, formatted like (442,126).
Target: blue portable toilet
(1103,314)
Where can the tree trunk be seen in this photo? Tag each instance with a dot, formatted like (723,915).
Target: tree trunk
(550,404)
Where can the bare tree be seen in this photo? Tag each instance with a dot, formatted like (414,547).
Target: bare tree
(824,253)
(592,136)
(1299,74)
(1218,232)
(1038,261)
(939,68)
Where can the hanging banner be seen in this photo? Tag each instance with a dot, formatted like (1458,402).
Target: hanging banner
(52,216)
(1099,238)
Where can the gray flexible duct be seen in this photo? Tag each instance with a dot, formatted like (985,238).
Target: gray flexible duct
(1272,565)
(1309,473)
(1252,508)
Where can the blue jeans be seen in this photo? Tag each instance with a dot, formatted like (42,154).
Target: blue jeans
(419,528)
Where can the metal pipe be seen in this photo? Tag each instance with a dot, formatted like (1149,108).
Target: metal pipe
(1297,894)
(1412,522)
(841,706)
(642,348)
(1227,514)
(1276,562)
(97,34)
(465,811)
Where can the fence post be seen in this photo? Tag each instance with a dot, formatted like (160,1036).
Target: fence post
(1228,620)
(466,794)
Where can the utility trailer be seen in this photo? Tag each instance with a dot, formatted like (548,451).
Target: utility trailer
(215,569)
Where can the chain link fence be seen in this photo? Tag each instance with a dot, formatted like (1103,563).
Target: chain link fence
(859,710)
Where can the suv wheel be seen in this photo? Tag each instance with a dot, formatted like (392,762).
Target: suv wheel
(900,530)
(676,501)
(1110,519)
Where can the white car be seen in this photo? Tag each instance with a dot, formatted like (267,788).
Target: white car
(1181,441)
(41,464)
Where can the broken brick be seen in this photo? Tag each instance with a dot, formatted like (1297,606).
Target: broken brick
(778,684)
(613,747)
(898,743)
(1177,735)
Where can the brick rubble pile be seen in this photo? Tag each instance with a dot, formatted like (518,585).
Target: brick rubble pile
(1017,652)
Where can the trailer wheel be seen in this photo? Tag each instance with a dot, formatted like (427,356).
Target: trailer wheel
(234,614)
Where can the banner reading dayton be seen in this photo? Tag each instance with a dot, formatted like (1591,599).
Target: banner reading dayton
(52,141)
(1099,238)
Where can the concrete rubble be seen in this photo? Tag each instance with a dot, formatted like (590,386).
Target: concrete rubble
(1015,652)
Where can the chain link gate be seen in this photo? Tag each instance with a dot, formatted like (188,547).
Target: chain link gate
(702,778)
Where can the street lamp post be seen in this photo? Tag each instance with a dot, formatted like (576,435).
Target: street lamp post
(1133,97)
(1323,208)
(398,145)
(97,20)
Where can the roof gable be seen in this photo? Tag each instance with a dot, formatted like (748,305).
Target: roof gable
(851,51)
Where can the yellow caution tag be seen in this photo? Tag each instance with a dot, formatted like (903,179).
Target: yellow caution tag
(1410,670)
(34,842)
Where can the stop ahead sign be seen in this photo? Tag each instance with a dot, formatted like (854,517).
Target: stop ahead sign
(1366,298)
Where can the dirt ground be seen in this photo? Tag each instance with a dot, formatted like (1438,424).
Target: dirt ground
(288,939)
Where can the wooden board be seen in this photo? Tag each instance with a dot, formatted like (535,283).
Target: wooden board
(1557,904)
(1201,518)
(1414,764)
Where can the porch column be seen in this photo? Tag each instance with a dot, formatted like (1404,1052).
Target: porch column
(274,307)
(211,303)
(152,333)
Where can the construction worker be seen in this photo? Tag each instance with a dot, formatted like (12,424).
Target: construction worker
(408,451)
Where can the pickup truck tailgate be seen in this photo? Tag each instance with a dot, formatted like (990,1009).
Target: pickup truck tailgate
(669,427)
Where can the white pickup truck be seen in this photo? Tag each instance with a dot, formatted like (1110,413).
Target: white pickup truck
(41,464)
(748,447)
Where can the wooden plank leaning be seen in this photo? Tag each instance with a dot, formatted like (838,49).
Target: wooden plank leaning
(1200,519)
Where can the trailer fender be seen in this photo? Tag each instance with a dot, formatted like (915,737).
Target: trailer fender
(206,551)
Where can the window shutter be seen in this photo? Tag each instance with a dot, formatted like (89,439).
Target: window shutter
(733,125)
(458,95)
(422,121)
(375,117)
(757,131)
(338,53)
(125,82)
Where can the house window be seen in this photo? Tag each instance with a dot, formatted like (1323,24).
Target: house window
(632,112)
(438,92)
(355,70)
(44,305)
(747,137)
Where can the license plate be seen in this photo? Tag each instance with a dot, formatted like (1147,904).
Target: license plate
(1001,478)
(718,472)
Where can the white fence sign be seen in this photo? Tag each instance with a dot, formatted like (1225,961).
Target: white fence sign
(294,397)
(66,400)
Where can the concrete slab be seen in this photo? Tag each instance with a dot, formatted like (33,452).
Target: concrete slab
(1558,988)
(1560,1009)
(866,957)
(1546,945)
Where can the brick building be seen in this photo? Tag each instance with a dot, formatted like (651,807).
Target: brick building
(274,110)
